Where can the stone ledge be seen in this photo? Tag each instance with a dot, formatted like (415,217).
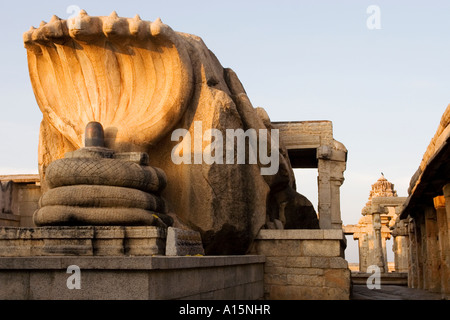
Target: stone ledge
(86,241)
(303,234)
(128,263)
(9,216)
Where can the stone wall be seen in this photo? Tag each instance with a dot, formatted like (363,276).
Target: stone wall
(304,264)
(19,199)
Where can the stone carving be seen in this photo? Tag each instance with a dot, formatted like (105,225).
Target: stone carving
(133,76)
(183,243)
(87,189)
(141,80)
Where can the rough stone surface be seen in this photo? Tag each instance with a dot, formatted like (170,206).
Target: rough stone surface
(183,243)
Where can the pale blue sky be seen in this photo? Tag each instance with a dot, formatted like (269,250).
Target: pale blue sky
(385,90)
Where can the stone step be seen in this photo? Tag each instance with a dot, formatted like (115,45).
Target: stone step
(391,278)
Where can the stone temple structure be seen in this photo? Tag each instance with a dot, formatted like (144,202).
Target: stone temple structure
(423,223)
(419,223)
(150,151)
(372,232)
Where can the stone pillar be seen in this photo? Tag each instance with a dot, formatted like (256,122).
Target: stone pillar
(323,188)
(432,277)
(331,167)
(384,237)
(446,190)
(444,229)
(413,281)
(421,247)
(443,244)
(363,246)
(378,246)
(401,246)
(337,179)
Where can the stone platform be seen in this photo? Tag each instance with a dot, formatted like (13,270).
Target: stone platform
(82,241)
(129,263)
(132,278)
(391,278)
(304,264)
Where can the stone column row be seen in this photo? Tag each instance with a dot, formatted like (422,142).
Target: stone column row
(429,246)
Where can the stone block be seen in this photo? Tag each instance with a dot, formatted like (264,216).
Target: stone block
(267,234)
(64,247)
(298,262)
(109,241)
(304,271)
(83,241)
(320,262)
(183,242)
(337,278)
(144,241)
(277,292)
(12,285)
(276,261)
(333,234)
(279,248)
(275,279)
(20,247)
(305,280)
(321,248)
(338,263)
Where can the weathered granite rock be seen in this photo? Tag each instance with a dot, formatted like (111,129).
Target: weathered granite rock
(142,80)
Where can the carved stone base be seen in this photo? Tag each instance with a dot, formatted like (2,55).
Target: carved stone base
(82,241)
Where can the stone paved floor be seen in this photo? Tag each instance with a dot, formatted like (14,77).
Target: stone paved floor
(392,292)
